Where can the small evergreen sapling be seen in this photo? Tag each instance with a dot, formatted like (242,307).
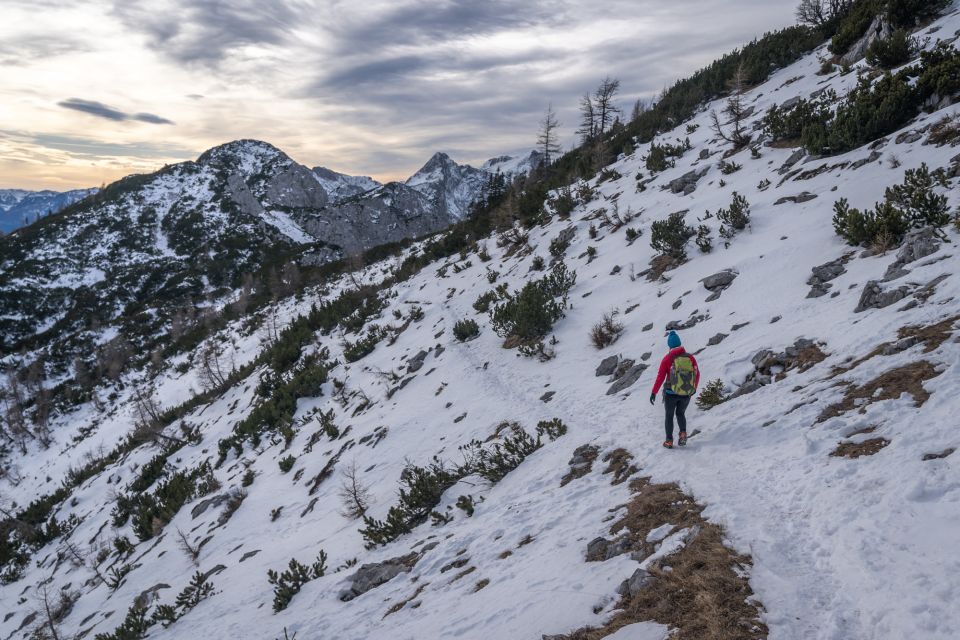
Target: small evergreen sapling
(288,583)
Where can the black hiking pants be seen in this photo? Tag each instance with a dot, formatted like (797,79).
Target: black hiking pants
(675,404)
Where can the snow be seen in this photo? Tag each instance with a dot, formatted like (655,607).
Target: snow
(842,548)
(285,225)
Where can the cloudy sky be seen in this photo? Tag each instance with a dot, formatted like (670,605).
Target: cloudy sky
(91,90)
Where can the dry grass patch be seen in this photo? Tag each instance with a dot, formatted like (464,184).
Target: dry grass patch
(889,385)
(527,539)
(581,464)
(619,464)
(931,336)
(701,592)
(462,574)
(481,584)
(506,554)
(859,449)
(403,603)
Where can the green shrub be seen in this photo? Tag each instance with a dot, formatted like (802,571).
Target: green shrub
(135,626)
(911,205)
(353,351)
(704,241)
(727,168)
(736,218)
(632,234)
(466,504)
(891,52)
(150,512)
(286,463)
(559,246)
(907,13)
(669,237)
(529,314)
(494,463)
(482,303)
(711,395)
(538,263)
(553,429)
(466,329)
(288,583)
(248,477)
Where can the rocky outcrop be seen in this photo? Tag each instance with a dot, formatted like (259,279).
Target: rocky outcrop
(770,366)
(371,576)
(879,30)
(687,183)
(875,297)
(629,377)
(823,274)
(917,244)
(607,366)
(806,196)
(719,282)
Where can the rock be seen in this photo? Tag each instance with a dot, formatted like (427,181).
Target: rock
(217,569)
(720,280)
(823,274)
(607,366)
(438,350)
(917,244)
(148,596)
(717,339)
(874,297)
(794,158)
(908,137)
(548,396)
(704,154)
(873,157)
(371,576)
(647,327)
(203,505)
(646,356)
(687,183)
(676,305)
(416,362)
(806,196)
(689,323)
(879,30)
(635,583)
(249,554)
(631,376)
(616,269)
(791,103)
(776,319)
(403,383)
(583,456)
(622,367)
(900,346)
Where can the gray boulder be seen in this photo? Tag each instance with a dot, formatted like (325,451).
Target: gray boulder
(717,339)
(917,244)
(823,274)
(630,377)
(874,297)
(635,583)
(720,280)
(416,362)
(794,158)
(687,183)
(806,196)
(371,576)
(607,366)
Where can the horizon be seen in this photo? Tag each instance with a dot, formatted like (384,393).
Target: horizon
(90,93)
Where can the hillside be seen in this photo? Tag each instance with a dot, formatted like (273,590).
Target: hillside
(511,472)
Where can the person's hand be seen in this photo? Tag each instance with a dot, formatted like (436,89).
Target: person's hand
(653,398)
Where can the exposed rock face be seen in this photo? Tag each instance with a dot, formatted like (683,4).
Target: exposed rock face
(874,296)
(451,187)
(607,366)
(371,576)
(339,186)
(687,183)
(719,282)
(794,158)
(631,376)
(823,274)
(769,366)
(806,196)
(917,244)
(635,583)
(879,30)
(416,362)
(602,549)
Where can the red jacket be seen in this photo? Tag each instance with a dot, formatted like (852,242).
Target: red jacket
(667,362)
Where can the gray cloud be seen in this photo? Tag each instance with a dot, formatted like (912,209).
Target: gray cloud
(205,32)
(100,110)
(25,49)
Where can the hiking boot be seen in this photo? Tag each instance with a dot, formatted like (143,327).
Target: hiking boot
(668,444)
(683,439)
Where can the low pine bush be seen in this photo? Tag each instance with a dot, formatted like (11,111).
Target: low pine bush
(288,583)
(711,395)
(736,218)
(528,315)
(669,237)
(466,329)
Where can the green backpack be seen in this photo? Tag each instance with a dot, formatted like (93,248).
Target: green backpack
(683,377)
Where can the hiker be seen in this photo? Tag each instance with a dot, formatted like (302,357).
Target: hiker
(679,376)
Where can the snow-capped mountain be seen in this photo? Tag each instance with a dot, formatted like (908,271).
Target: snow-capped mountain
(19,207)
(512,166)
(453,187)
(454,440)
(340,186)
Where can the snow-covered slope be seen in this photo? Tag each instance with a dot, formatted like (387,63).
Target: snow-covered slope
(340,186)
(842,547)
(19,207)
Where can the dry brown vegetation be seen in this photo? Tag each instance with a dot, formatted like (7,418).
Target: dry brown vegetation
(931,336)
(619,464)
(889,385)
(403,603)
(700,592)
(859,449)
(589,455)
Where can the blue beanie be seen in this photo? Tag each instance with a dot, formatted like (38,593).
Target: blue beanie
(673,340)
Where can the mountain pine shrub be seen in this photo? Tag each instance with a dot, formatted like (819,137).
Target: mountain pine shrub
(286,463)
(704,241)
(736,218)
(353,351)
(483,301)
(288,583)
(669,237)
(135,626)
(911,205)
(528,315)
(553,429)
(891,52)
(711,395)
(466,329)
